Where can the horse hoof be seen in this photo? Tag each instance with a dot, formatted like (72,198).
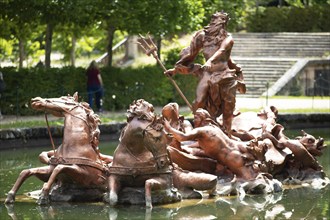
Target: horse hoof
(106,198)
(148,205)
(10,198)
(113,199)
(43,200)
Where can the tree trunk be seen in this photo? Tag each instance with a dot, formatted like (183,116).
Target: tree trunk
(48,46)
(73,50)
(21,52)
(131,48)
(307,2)
(257,6)
(111,32)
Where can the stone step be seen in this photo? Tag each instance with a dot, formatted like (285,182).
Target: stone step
(260,70)
(282,54)
(292,48)
(260,80)
(282,35)
(265,57)
(315,41)
(265,68)
(258,60)
(281,44)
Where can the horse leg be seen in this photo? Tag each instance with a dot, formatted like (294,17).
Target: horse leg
(114,187)
(71,170)
(42,173)
(151,184)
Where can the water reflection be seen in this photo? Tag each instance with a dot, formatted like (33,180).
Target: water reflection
(298,203)
(295,203)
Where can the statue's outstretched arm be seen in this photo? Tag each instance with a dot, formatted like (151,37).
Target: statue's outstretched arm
(178,135)
(187,56)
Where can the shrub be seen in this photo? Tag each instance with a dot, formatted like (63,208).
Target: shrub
(121,86)
(290,19)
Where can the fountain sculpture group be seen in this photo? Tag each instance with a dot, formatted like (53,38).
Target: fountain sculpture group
(165,158)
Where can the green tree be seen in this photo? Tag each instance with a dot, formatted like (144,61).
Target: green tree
(158,17)
(168,18)
(20,18)
(235,9)
(52,13)
(80,20)
(70,16)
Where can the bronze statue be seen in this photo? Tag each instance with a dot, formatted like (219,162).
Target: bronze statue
(77,157)
(181,153)
(250,125)
(171,113)
(260,154)
(303,165)
(220,76)
(141,160)
(134,164)
(162,159)
(216,144)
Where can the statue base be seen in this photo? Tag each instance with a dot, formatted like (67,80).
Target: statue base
(72,193)
(260,185)
(136,196)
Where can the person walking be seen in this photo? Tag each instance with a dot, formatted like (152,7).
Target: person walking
(94,86)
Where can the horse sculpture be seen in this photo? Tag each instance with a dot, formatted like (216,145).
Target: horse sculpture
(142,160)
(141,156)
(77,157)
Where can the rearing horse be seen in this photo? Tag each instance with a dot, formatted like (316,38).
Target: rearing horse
(77,157)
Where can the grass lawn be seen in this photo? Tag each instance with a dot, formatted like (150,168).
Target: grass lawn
(111,117)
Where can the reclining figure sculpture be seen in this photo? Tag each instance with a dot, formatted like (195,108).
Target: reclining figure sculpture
(257,158)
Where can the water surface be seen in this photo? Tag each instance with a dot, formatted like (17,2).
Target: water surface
(292,203)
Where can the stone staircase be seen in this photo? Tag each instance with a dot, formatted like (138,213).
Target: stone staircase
(261,73)
(266,57)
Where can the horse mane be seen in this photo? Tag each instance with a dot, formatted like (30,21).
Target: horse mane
(93,121)
(141,109)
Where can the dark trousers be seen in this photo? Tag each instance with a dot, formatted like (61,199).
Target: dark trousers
(97,92)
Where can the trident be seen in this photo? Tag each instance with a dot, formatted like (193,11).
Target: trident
(151,49)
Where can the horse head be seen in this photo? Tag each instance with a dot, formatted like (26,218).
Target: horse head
(155,140)
(141,109)
(66,105)
(55,105)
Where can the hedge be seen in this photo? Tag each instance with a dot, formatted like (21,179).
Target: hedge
(290,19)
(121,87)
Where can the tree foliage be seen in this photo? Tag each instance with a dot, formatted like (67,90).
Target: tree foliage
(29,27)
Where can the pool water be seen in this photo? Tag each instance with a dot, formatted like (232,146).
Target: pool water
(292,203)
